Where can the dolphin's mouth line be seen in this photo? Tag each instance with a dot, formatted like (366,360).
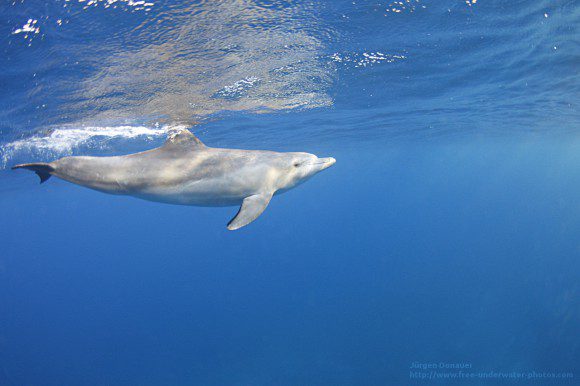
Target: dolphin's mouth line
(327,162)
(324,161)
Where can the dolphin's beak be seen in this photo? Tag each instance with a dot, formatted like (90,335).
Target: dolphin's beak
(327,162)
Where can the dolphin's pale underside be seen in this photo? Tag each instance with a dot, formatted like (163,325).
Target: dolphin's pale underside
(184,171)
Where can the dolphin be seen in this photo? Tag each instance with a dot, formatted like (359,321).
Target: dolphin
(184,171)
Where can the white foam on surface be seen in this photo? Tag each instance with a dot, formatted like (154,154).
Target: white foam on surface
(366,58)
(135,5)
(29,27)
(407,6)
(63,141)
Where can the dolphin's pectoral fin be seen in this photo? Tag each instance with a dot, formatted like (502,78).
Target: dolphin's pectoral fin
(251,208)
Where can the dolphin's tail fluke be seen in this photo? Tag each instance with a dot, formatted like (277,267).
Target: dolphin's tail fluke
(43,170)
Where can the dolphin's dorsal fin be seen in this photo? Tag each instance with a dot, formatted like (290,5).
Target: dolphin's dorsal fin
(251,208)
(183,138)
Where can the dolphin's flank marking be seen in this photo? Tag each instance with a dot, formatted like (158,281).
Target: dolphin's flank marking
(186,172)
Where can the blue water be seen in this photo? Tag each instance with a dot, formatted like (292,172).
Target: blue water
(446,233)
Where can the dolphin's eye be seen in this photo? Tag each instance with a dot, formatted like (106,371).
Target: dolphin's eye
(296,164)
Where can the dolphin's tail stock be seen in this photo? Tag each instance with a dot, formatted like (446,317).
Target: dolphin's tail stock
(43,170)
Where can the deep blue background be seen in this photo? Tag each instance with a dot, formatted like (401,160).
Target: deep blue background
(446,232)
